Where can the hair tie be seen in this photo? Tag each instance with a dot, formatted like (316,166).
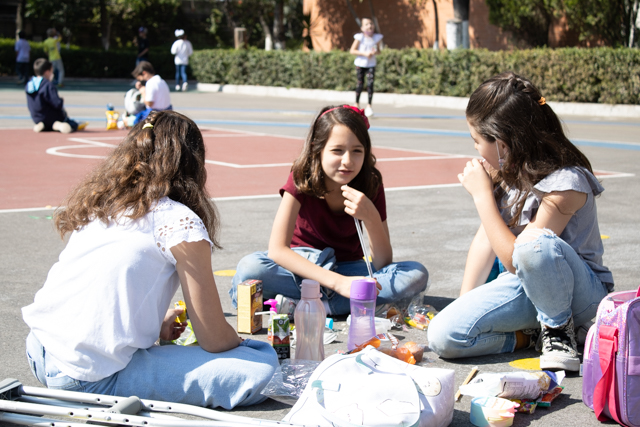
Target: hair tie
(350,107)
(542,101)
(147,125)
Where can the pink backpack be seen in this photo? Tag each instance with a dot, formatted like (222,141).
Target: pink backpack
(611,363)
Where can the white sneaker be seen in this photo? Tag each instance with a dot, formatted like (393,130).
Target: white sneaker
(185,85)
(62,127)
(368,111)
(39,127)
(177,88)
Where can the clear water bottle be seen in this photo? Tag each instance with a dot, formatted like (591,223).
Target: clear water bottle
(363,308)
(309,318)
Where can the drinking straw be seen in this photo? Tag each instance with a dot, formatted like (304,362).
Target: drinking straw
(364,247)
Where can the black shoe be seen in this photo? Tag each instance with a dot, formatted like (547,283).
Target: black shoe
(559,348)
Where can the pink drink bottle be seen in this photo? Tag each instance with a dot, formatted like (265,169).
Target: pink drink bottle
(309,318)
(363,308)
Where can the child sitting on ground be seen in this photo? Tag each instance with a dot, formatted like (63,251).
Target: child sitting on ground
(45,106)
(142,224)
(333,181)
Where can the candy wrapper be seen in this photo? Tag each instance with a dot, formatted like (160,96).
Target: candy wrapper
(545,401)
(513,385)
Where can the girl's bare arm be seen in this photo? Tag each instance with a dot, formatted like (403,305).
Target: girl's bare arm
(354,48)
(201,297)
(479,262)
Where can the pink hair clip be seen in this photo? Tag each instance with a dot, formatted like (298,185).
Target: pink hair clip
(356,109)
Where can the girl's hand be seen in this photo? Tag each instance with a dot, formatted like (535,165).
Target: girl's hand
(343,287)
(357,204)
(475,178)
(171,330)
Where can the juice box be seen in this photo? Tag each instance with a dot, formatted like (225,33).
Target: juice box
(249,302)
(281,342)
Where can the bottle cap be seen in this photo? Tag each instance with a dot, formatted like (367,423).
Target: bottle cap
(310,289)
(363,289)
(273,303)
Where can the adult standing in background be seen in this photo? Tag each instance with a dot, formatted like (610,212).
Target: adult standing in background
(52,49)
(143,46)
(182,50)
(23,50)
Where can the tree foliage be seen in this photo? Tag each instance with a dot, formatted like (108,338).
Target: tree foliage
(610,22)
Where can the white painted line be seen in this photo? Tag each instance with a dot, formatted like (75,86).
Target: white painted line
(54,152)
(236,166)
(613,174)
(27,210)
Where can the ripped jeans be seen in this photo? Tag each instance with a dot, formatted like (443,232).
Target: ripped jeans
(551,284)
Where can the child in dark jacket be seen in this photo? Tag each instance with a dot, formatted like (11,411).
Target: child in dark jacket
(45,106)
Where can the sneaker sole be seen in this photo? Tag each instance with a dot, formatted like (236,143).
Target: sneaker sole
(559,363)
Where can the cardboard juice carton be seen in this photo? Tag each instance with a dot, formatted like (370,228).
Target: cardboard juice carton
(249,302)
(281,343)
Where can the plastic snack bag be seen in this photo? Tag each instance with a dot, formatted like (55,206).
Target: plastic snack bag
(289,380)
(513,385)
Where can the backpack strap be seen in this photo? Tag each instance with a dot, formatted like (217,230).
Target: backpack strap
(604,394)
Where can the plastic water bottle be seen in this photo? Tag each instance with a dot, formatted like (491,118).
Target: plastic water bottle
(310,317)
(363,308)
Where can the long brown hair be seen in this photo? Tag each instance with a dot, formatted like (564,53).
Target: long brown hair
(510,109)
(308,176)
(163,158)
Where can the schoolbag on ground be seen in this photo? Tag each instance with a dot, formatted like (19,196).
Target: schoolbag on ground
(370,388)
(611,364)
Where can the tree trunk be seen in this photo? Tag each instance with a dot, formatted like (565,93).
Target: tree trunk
(632,22)
(20,15)
(266,31)
(278,25)
(436,44)
(105,25)
(353,12)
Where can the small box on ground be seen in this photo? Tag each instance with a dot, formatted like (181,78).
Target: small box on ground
(281,342)
(249,303)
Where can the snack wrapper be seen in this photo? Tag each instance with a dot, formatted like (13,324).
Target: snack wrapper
(513,385)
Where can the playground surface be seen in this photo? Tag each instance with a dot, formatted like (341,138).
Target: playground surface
(251,142)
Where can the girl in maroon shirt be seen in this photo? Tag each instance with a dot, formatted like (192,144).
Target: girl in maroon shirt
(314,236)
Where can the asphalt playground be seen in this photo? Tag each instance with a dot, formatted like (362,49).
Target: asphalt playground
(251,141)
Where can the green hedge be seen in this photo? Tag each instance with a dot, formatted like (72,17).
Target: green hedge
(83,62)
(600,75)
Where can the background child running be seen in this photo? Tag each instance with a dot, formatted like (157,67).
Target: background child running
(141,225)
(535,194)
(366,46)
(314,236)
(45,106)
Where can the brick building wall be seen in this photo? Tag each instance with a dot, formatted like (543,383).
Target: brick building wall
(411,23)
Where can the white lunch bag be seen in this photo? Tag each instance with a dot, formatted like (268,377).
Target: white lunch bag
(370,388)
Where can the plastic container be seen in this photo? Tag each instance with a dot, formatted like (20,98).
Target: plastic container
(382,325)
(272,310)
(363,307)
(310,317)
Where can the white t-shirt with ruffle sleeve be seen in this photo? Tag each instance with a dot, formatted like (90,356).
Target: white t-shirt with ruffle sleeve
(366,45)
(108,294)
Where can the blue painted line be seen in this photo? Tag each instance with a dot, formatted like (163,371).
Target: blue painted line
(445,133)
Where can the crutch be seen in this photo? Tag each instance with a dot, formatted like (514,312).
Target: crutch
(18,401)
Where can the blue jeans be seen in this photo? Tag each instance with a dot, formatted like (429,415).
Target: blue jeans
(399,281)
(552,283)
(174,373)
(181,71)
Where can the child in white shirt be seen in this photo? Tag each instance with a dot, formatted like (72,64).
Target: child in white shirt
(366,46)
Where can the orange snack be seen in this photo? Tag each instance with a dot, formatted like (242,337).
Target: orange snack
(400,354)
(416,350)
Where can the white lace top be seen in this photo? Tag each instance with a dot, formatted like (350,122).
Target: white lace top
(107,295)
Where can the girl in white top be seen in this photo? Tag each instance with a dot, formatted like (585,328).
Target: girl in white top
(366,46)
(141,225)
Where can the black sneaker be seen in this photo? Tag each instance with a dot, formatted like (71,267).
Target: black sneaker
(559,348)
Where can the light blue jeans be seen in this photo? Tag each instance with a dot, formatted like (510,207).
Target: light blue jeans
(181,71)
(175,374)
(401,280)
(551,284)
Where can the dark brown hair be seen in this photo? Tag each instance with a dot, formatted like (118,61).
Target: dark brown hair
(167,159)
(308,176)
(507,108)
(41,66)
(143,66)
